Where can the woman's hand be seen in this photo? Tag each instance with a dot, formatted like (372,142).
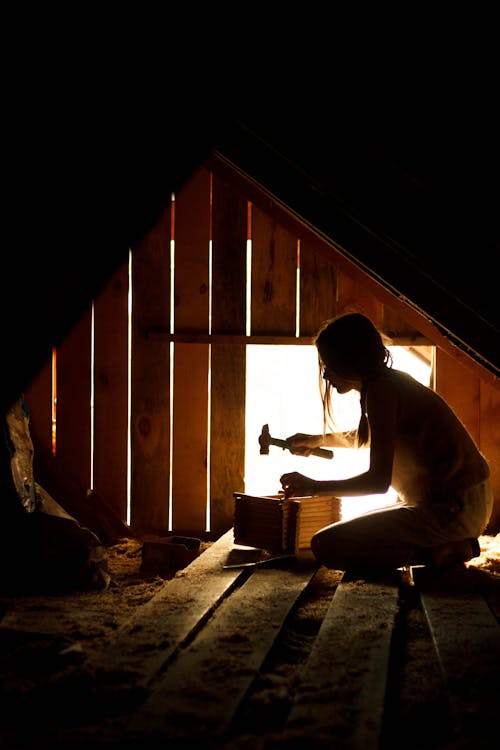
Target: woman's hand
(302,444)
(297,485)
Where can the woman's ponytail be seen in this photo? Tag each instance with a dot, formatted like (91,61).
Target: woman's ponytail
(363,426)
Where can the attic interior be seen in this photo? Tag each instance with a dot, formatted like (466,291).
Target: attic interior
(395,214)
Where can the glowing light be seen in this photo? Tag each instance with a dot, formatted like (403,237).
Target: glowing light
(283,392)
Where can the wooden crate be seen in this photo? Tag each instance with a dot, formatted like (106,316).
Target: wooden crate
(282,526)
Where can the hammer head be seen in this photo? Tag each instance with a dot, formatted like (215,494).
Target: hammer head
(265,440)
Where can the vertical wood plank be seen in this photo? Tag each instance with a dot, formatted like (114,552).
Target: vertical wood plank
(192,237)
(460,388)
(38,397)
(111,391)
(191,361)
(274,276)
(227,456)
(228,364)
(150,396)
(489,443)
(229,235)
(73,411)
(190,438)
(318,290)
(352,296)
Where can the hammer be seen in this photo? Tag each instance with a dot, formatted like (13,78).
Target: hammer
(265,440)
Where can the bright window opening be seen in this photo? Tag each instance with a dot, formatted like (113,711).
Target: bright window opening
(283,392)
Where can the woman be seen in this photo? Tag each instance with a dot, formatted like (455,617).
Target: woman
(417,446)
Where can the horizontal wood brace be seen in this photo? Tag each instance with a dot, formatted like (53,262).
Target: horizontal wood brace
(275,340)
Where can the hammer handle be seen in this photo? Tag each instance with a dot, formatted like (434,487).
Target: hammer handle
(321,452)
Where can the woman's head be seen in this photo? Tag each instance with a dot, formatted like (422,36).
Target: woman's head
(351,347)
(350,352)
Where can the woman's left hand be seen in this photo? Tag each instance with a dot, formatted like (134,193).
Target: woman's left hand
(297,485)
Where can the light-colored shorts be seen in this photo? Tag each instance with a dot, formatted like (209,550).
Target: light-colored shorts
(391,536)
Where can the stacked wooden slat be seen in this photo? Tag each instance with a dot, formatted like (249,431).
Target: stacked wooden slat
(278,525)
(314,513)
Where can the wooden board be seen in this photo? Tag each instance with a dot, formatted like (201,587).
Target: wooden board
(227,433)
(146,642)
(229,252)
(212,674)
(466,636)
(477,405)
(228,362)
(353,296)
(150,396)
(192,241)
(189,438)
(73,413)
(38,397)
(190,387)
(318,289)
(111,391)
(274,276)
(460,389)
(342,689)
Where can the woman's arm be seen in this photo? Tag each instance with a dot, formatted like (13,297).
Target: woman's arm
(302,443)
(382,404)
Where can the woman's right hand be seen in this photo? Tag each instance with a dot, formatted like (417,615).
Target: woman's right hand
(301,444)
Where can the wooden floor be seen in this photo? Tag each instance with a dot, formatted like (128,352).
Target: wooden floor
(197,648)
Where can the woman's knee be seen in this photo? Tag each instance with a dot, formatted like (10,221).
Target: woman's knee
(330,548)
(316,546)
(354,544)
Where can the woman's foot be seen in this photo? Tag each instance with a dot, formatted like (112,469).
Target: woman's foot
(454,553)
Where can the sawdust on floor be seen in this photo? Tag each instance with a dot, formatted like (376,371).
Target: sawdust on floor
(44,638)
(86,618)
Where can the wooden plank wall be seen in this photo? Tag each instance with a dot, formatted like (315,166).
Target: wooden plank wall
(180,453)
(477,404)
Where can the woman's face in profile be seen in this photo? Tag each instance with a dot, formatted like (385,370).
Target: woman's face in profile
(340,383)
